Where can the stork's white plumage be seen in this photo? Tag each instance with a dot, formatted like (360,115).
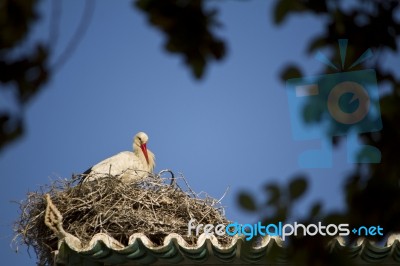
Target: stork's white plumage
(127,165)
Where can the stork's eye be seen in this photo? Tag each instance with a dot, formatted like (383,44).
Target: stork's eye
(140,139)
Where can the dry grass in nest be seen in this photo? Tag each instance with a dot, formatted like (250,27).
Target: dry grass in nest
(110,206)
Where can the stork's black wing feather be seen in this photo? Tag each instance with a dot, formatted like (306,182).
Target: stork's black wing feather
(87,171)
(84,175)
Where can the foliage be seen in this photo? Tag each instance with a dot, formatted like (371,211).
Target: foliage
(21,74)
(372,191)
(187,26)
(369,24)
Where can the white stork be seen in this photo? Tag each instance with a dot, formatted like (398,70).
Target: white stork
(127,165)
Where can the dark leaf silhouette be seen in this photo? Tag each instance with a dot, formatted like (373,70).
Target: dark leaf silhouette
(315,210)
(291,72)
(297,187)
(274,194)
(247,202)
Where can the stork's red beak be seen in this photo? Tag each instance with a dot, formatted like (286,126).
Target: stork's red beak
(144,150)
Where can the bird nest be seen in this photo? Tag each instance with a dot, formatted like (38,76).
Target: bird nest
(119,209)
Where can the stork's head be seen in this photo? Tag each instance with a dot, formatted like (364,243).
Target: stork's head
(140,141)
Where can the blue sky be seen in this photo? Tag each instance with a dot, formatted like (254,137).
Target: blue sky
(230,129)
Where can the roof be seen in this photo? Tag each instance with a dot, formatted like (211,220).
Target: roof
(105,250)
